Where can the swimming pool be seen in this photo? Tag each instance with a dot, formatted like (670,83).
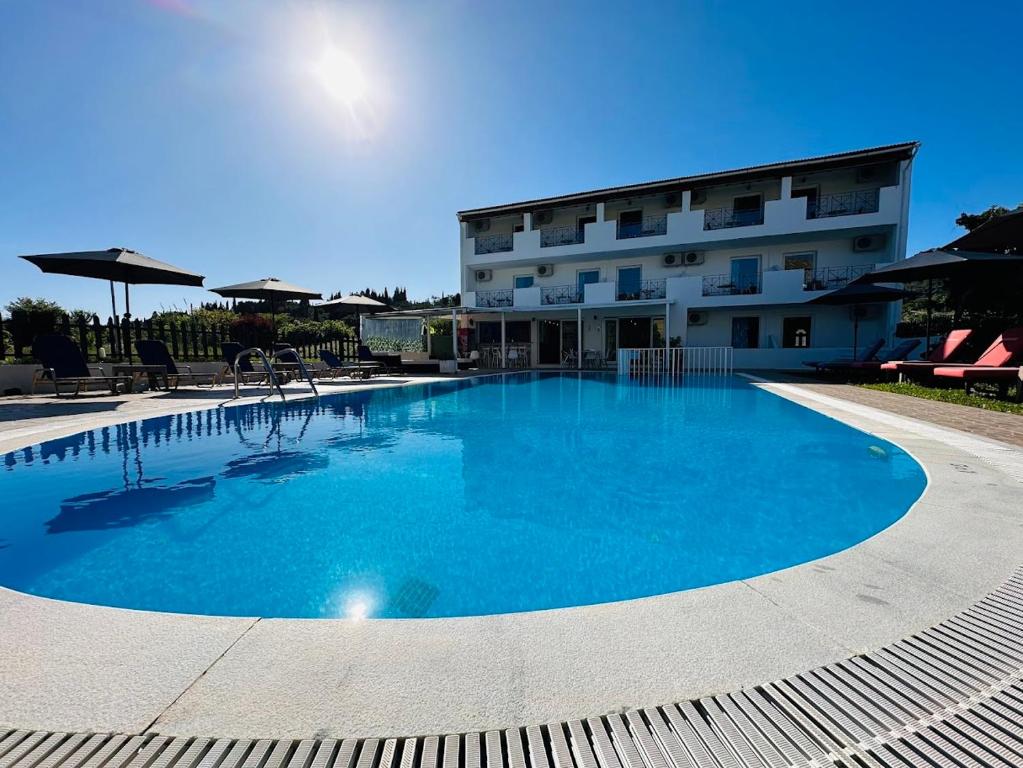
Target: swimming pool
(480,496)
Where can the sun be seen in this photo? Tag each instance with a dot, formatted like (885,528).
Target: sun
(341,76)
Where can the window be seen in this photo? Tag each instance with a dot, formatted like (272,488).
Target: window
(746,332)
(518,228)
(657,332)
(747,209)
(580,227)
(745,275)
(584,277)
(630,224)
(805,261)
(795,333)
(523,281)
(630,280)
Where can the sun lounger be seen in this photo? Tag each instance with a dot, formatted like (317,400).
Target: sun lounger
(389,362)
(248,373)
(999,364)
(155,352)
(899,352)
(290,358)
(943,354)
(865,355)
(341,368)
(64,365)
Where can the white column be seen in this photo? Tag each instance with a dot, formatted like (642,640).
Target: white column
(579,337)
(503,351)
(667,328)
(454,337)
(786,187)
(600,212)
(687,201)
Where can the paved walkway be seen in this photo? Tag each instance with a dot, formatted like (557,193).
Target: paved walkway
(948,696)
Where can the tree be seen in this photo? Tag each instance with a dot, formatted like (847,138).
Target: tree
(970,221)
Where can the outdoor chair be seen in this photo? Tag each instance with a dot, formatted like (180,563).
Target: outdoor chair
(942,354)
(290,358)
(865,355)
(899,352)
(64,364)
(339,367)
(246,371)
(998,365)
(155,352)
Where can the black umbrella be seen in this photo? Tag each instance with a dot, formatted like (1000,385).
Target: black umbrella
(268,289)
(118,265)
(1000,234)
(358,302)
(859,293)
(938,264)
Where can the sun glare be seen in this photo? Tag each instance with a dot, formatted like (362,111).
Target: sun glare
(341,76)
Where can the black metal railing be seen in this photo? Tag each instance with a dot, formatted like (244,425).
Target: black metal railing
(726,218)
(499,298)
(494,244)
(561,294)
(829,278)
(554,236)
(648,226)
(186,339)
(645,289)
(731,285)
(843,204)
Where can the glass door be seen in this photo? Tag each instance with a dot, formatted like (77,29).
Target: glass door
(611,341)
(583,278)
(569,343)
(549,352)
(746,275)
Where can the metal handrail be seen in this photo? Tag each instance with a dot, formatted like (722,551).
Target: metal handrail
(266,364)
(301,366)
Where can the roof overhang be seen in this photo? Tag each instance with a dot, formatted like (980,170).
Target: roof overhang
(887,153)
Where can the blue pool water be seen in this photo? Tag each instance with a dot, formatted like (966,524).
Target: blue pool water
(460,498)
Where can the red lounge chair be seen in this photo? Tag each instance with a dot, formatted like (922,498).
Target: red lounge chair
(999,363)
(941,355)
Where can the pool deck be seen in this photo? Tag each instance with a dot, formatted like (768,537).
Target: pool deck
(71,667)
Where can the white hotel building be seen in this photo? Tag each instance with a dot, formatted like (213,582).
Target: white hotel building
(720,259)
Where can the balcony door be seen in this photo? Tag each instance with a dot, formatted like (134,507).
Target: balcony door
(745,274)
(747,210)
(549,342)
(583,278)
(630,281)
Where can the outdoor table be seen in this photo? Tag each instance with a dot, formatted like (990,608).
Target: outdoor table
(136,371)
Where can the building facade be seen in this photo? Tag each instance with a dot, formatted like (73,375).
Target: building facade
(721,259)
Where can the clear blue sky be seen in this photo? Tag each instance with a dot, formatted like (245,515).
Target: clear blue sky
(330,144)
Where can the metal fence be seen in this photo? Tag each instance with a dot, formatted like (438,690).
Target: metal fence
(186,339)
(844,204)
(649,226)
(639,363)
(561,294)
(643,290)
(493,244)
(500,298)
(731,285)
(553,236)
(726,218)
(829,278)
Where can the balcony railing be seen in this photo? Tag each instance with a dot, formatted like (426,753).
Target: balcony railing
(731,285)
(493,244)
(552,236)
(649,226)
(646,289)
(726,218)
(830,278)
(843,204)
(502,298)
(561,294)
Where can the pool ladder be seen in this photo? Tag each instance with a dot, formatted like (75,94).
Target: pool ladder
(270,372)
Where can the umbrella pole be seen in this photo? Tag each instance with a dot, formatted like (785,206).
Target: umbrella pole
(273,323)
(127,322)
(927,344)
(113,301)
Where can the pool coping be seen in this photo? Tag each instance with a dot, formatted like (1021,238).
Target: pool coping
(133,671)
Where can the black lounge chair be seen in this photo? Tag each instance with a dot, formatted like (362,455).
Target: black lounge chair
(865,355)
(390,362)
(155,352)
(339,367)
(248,373)
(64,364)
(290,357)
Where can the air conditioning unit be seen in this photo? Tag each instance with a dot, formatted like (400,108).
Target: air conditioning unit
(481,225)
(543,218)
(673,199)
(693,258)
(696,318)
(545,270)
(868,243)
(698,196)
(671,260)
(484,275)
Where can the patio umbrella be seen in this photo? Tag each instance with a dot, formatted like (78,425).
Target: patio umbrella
(118,265)
(858,293)
(1002,234)
(938,264)
(268,289)
(357,302)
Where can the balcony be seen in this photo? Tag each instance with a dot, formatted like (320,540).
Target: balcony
(727,218)
(561,294)
(501,298)
(644,290)
(493,244)
(830,278)
(554,236)
(844,204)
(649,226)
(731,285)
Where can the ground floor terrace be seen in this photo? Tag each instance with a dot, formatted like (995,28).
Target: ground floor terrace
(906,649)
(768,337)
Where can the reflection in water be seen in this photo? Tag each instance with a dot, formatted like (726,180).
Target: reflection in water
(128,507)
(276,466)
